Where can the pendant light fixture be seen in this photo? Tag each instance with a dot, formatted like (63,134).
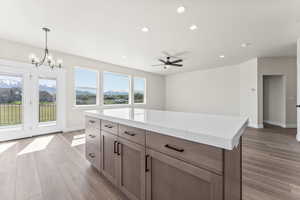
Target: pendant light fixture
(47,57)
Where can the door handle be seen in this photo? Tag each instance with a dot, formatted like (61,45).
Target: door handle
(108,126)
(297,106)
(118,148)
(92,155)
(174,148)
(146,163)
(92,136)
(128,133)
(115,148)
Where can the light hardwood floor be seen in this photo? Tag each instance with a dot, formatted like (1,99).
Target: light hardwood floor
(53,167)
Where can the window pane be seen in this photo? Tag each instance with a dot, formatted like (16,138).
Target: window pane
(10,100)
(85,86)
(85,78)
(116,88)
(47,100)
(86,96)
(139,90)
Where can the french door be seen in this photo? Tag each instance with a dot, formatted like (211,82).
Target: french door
(31,101)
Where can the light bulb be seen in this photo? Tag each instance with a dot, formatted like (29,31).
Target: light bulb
(59,63)
(32,58)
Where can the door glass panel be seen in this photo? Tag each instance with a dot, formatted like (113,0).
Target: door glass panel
(10,100)
(47,100)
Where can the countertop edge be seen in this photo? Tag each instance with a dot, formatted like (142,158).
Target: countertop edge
(227,144)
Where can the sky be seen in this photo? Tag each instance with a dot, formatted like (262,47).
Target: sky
(111,81)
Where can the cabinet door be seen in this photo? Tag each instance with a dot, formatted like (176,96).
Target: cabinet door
(170,179)
(109,156)
(131,169)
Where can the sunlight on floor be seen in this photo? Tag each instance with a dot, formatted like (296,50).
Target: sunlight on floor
(6,146)
(78,140)
(37,144)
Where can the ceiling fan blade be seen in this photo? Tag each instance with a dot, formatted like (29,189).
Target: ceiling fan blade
(176,61)
(161,60)
(177,65)
(157,65)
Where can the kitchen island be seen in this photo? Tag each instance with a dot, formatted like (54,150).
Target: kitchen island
(163,155)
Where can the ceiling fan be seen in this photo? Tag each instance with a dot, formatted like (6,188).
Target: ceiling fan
(170,60)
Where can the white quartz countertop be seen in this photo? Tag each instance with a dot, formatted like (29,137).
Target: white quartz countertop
(216,130)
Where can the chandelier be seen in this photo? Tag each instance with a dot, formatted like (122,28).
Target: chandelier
(47,57)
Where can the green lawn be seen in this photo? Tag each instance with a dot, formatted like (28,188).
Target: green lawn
(11,114)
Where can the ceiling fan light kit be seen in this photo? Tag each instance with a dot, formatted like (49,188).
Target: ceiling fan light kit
(47,57)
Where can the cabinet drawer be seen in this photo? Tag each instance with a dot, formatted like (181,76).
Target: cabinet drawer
(109,126)
(92,123)
(92,154)
(201,155)
(92,131)
(133,134)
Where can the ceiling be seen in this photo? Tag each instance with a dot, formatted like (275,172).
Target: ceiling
(109,30)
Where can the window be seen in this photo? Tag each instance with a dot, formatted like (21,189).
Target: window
(47,100)
(10,100)
(86,86)
(116,88)
(139,90)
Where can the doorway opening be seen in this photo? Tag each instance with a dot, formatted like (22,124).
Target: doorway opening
(274,109)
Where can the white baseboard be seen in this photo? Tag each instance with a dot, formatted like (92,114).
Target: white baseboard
(275,123)
(281,124)
(290,126)
(71,129)
(256,125)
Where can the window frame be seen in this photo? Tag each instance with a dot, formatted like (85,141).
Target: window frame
(97,87)
(129,91)
(145,90)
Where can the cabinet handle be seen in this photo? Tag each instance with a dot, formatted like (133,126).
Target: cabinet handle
(128,133)
(174,148)
(118,148)
(92,121)
(115,148)
(92,155)
(108,126)
(92,136)
(146,163)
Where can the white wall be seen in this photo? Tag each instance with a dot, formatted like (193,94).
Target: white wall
(155,83)
(208,91)
(286,66)
(273,100)
(248,91)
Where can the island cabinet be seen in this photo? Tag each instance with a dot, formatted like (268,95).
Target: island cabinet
(147,165)
(92,136)
(123,159)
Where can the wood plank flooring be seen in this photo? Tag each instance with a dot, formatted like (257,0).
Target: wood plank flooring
(53,167)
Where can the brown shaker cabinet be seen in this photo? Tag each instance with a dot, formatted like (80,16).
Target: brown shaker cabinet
(170,179)
(109,156)
(149,166)
(131,165)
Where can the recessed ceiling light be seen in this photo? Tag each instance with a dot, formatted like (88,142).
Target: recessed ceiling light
(244,45)
(124,57)
(193,27)
(181,9)
(145,29)
(222,56)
